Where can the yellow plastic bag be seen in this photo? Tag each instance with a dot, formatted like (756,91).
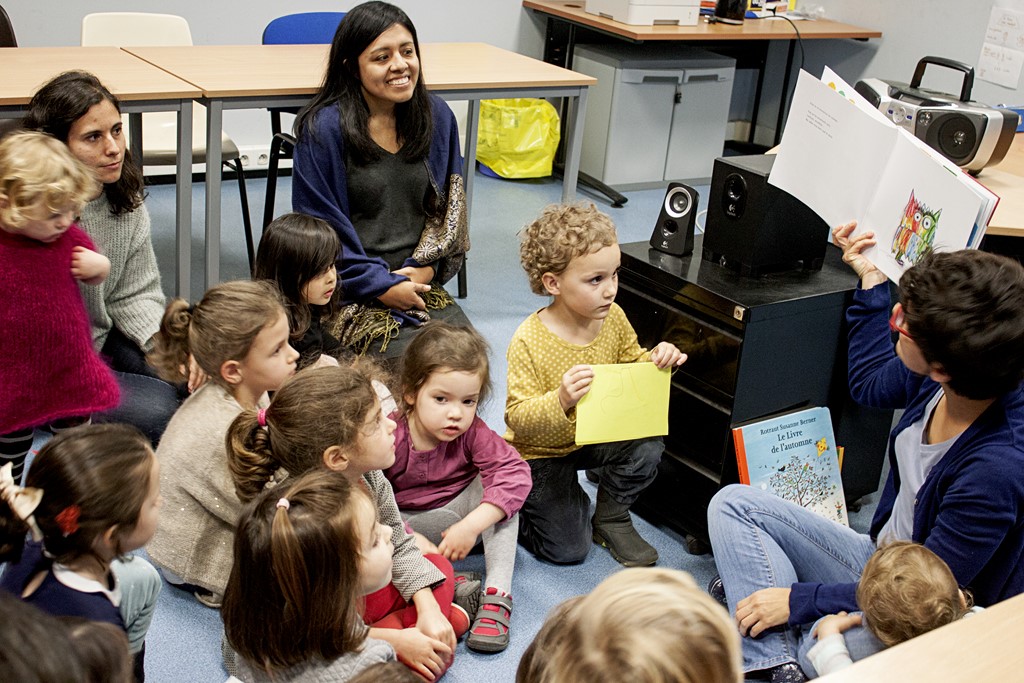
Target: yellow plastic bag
(518,137)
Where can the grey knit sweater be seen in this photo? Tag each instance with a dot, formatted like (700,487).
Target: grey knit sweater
(130,298)
(195,535)
(318,671)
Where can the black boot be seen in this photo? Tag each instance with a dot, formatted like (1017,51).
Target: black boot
(139,665)
(613,529)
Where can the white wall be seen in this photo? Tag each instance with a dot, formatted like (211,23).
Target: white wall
(911,29)
(503,23)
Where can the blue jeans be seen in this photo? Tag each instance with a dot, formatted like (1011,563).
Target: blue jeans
(762,541)
(860,643)
(554,522)
(140,586)
(147,402)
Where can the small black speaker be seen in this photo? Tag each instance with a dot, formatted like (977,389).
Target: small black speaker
(730,11)
(673,234)
(754,227)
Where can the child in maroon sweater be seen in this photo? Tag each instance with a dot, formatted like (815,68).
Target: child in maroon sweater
(50,371)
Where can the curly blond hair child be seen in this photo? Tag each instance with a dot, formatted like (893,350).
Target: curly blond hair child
(571,254)
(905,591)
(51,374)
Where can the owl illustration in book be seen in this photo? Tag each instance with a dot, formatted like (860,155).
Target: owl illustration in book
(916,233)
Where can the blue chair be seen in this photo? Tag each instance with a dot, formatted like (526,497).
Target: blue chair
(305,28)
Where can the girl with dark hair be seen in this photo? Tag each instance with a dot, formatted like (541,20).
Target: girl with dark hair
(305,554)
(378,159)
(298,253)
(91,496)
(126,309)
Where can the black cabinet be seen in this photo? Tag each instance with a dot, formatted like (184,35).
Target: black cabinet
(756,346)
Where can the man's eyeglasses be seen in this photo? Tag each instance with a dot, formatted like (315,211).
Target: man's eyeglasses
(896,322)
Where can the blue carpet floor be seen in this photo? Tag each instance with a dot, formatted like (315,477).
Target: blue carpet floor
(184,643)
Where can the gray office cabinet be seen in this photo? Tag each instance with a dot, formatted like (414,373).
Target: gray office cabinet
(657,113)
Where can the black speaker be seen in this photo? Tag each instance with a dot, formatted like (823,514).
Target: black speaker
(673,234)
(730,11)
(754,227)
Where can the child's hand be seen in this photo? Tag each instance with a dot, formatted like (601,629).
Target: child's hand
(428,657)
(666,355)
(88,266)
(836,623)
(853,255)
(575,384)
(433,624)
(425,545)
(197,377)
(325,361)
(458,541)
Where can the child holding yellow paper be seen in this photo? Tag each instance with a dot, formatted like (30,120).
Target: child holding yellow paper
(571,253)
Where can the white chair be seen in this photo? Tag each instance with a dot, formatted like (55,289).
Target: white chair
(159,138)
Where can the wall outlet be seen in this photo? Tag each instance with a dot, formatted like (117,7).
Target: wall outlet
(256,158)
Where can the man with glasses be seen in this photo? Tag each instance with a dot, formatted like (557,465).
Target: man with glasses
(956,480)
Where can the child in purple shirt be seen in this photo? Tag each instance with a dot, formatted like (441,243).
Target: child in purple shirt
(454,478)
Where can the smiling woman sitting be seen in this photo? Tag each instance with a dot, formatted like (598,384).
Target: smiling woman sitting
(378,158)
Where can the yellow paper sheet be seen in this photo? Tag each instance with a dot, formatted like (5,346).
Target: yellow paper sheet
(625,401)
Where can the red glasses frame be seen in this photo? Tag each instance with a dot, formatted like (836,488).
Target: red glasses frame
(896,321)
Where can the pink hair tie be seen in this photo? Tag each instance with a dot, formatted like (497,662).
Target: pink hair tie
(283,503)
(261,417)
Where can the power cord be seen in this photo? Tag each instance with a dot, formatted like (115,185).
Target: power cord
(799,39)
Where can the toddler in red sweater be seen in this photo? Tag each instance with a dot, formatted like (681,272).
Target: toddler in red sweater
(51,374)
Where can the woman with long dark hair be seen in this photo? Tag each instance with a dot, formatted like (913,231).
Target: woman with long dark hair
(378,158)
(127,307)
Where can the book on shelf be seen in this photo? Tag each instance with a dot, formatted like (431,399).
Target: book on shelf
(794,456)
(846,161)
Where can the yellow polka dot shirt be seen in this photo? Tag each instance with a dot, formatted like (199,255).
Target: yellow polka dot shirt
(537,359)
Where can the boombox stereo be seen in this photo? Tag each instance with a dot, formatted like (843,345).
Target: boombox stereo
(970,134)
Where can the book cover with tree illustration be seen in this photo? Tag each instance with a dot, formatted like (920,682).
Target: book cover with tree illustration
(795,457)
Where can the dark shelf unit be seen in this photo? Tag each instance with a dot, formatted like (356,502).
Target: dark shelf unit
(757,346)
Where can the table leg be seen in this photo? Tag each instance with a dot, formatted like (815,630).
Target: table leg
(468,173)
(784,95)
(183,203)
(574,144)
(135,135)
(214,126)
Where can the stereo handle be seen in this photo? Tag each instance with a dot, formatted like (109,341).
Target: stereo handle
(967,69)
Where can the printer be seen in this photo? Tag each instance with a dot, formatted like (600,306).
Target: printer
(647,12)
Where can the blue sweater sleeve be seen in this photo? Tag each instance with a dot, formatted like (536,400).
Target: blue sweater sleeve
(878,378)
(811,601)
(320,188)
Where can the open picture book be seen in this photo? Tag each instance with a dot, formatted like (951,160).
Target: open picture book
(795,457)
(846,161)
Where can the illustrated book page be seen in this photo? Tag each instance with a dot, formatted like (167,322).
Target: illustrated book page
(794,456)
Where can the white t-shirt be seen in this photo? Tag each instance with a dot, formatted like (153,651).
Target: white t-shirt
(915,460)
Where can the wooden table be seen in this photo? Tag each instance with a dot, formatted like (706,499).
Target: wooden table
(565,17)
(259,76)
(139,86)
(1007,181)
(984,647)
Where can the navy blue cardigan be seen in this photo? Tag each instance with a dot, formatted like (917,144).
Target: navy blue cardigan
(320,188)
(970,508)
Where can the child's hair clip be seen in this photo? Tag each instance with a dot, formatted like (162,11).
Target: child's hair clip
(67,519)
(23,501)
